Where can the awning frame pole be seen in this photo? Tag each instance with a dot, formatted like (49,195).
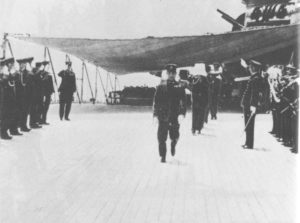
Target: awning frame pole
(102,84)
(82,80)
(47,53)
(96,83)
(6,43)
(68,59)
(89,81)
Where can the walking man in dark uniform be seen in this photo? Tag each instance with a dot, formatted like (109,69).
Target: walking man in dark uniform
(8,102)
(169,110)
(47,91)
(35,112)
(250,101)
(199,89)
(24,85)
(66,90)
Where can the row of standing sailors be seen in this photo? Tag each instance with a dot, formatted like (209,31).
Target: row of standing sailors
(25,95)
(284,95)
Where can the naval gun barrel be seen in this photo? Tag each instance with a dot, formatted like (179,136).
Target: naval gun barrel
(229,19)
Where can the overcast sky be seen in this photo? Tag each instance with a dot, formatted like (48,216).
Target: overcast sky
(115,18)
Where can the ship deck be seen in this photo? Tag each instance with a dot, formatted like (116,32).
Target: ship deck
(103,166)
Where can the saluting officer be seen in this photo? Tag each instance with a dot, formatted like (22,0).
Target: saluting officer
(250,101)
(24,85)
(199,89)
(66,90)
(8,98)
(169,109)
(47,91)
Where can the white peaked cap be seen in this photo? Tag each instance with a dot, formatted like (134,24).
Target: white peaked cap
(214,71)
(274,72)
(199,69)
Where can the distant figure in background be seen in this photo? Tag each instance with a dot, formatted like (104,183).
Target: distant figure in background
(250,101)
(48,90)
(199,89)
(66,90)
(214,79)
(169,109)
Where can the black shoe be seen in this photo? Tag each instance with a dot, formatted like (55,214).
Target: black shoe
(15,132)
(25,129)
(67,119)
(35,126)
(246,147)
(163,160)
(172,150)
(5,136)
(44,123)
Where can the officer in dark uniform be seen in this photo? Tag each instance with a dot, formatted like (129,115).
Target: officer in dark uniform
(24,85)
(169,109)
(37,101)
(214,88)
(199,89)
(8,99)
(250,101)
(66,90)
(47,91)
(17,112)
(289,98)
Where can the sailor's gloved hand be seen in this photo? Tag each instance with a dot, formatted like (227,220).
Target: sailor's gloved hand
(180,119)
(253,109)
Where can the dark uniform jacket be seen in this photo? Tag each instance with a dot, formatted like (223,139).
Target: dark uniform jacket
(8,103)
(199,89)
(169,101)
(38,85)
(68,82)
(47,83)
(251,93)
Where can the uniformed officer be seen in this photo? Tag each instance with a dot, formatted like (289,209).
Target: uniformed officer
(66,90)
(250,101)
(14,80)
(47,91)
(36,109)
(24,85)
(8,98)
(169,109)
(199,89)
(289,97)
(214,79)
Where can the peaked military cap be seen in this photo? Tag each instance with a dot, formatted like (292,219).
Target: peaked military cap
(8,61)
(255,63)
(171,68)
(25,60)
(38,64)
(2,63)
(291,66)
(45,62)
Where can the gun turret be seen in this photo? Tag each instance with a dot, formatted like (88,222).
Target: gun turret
(229,19)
